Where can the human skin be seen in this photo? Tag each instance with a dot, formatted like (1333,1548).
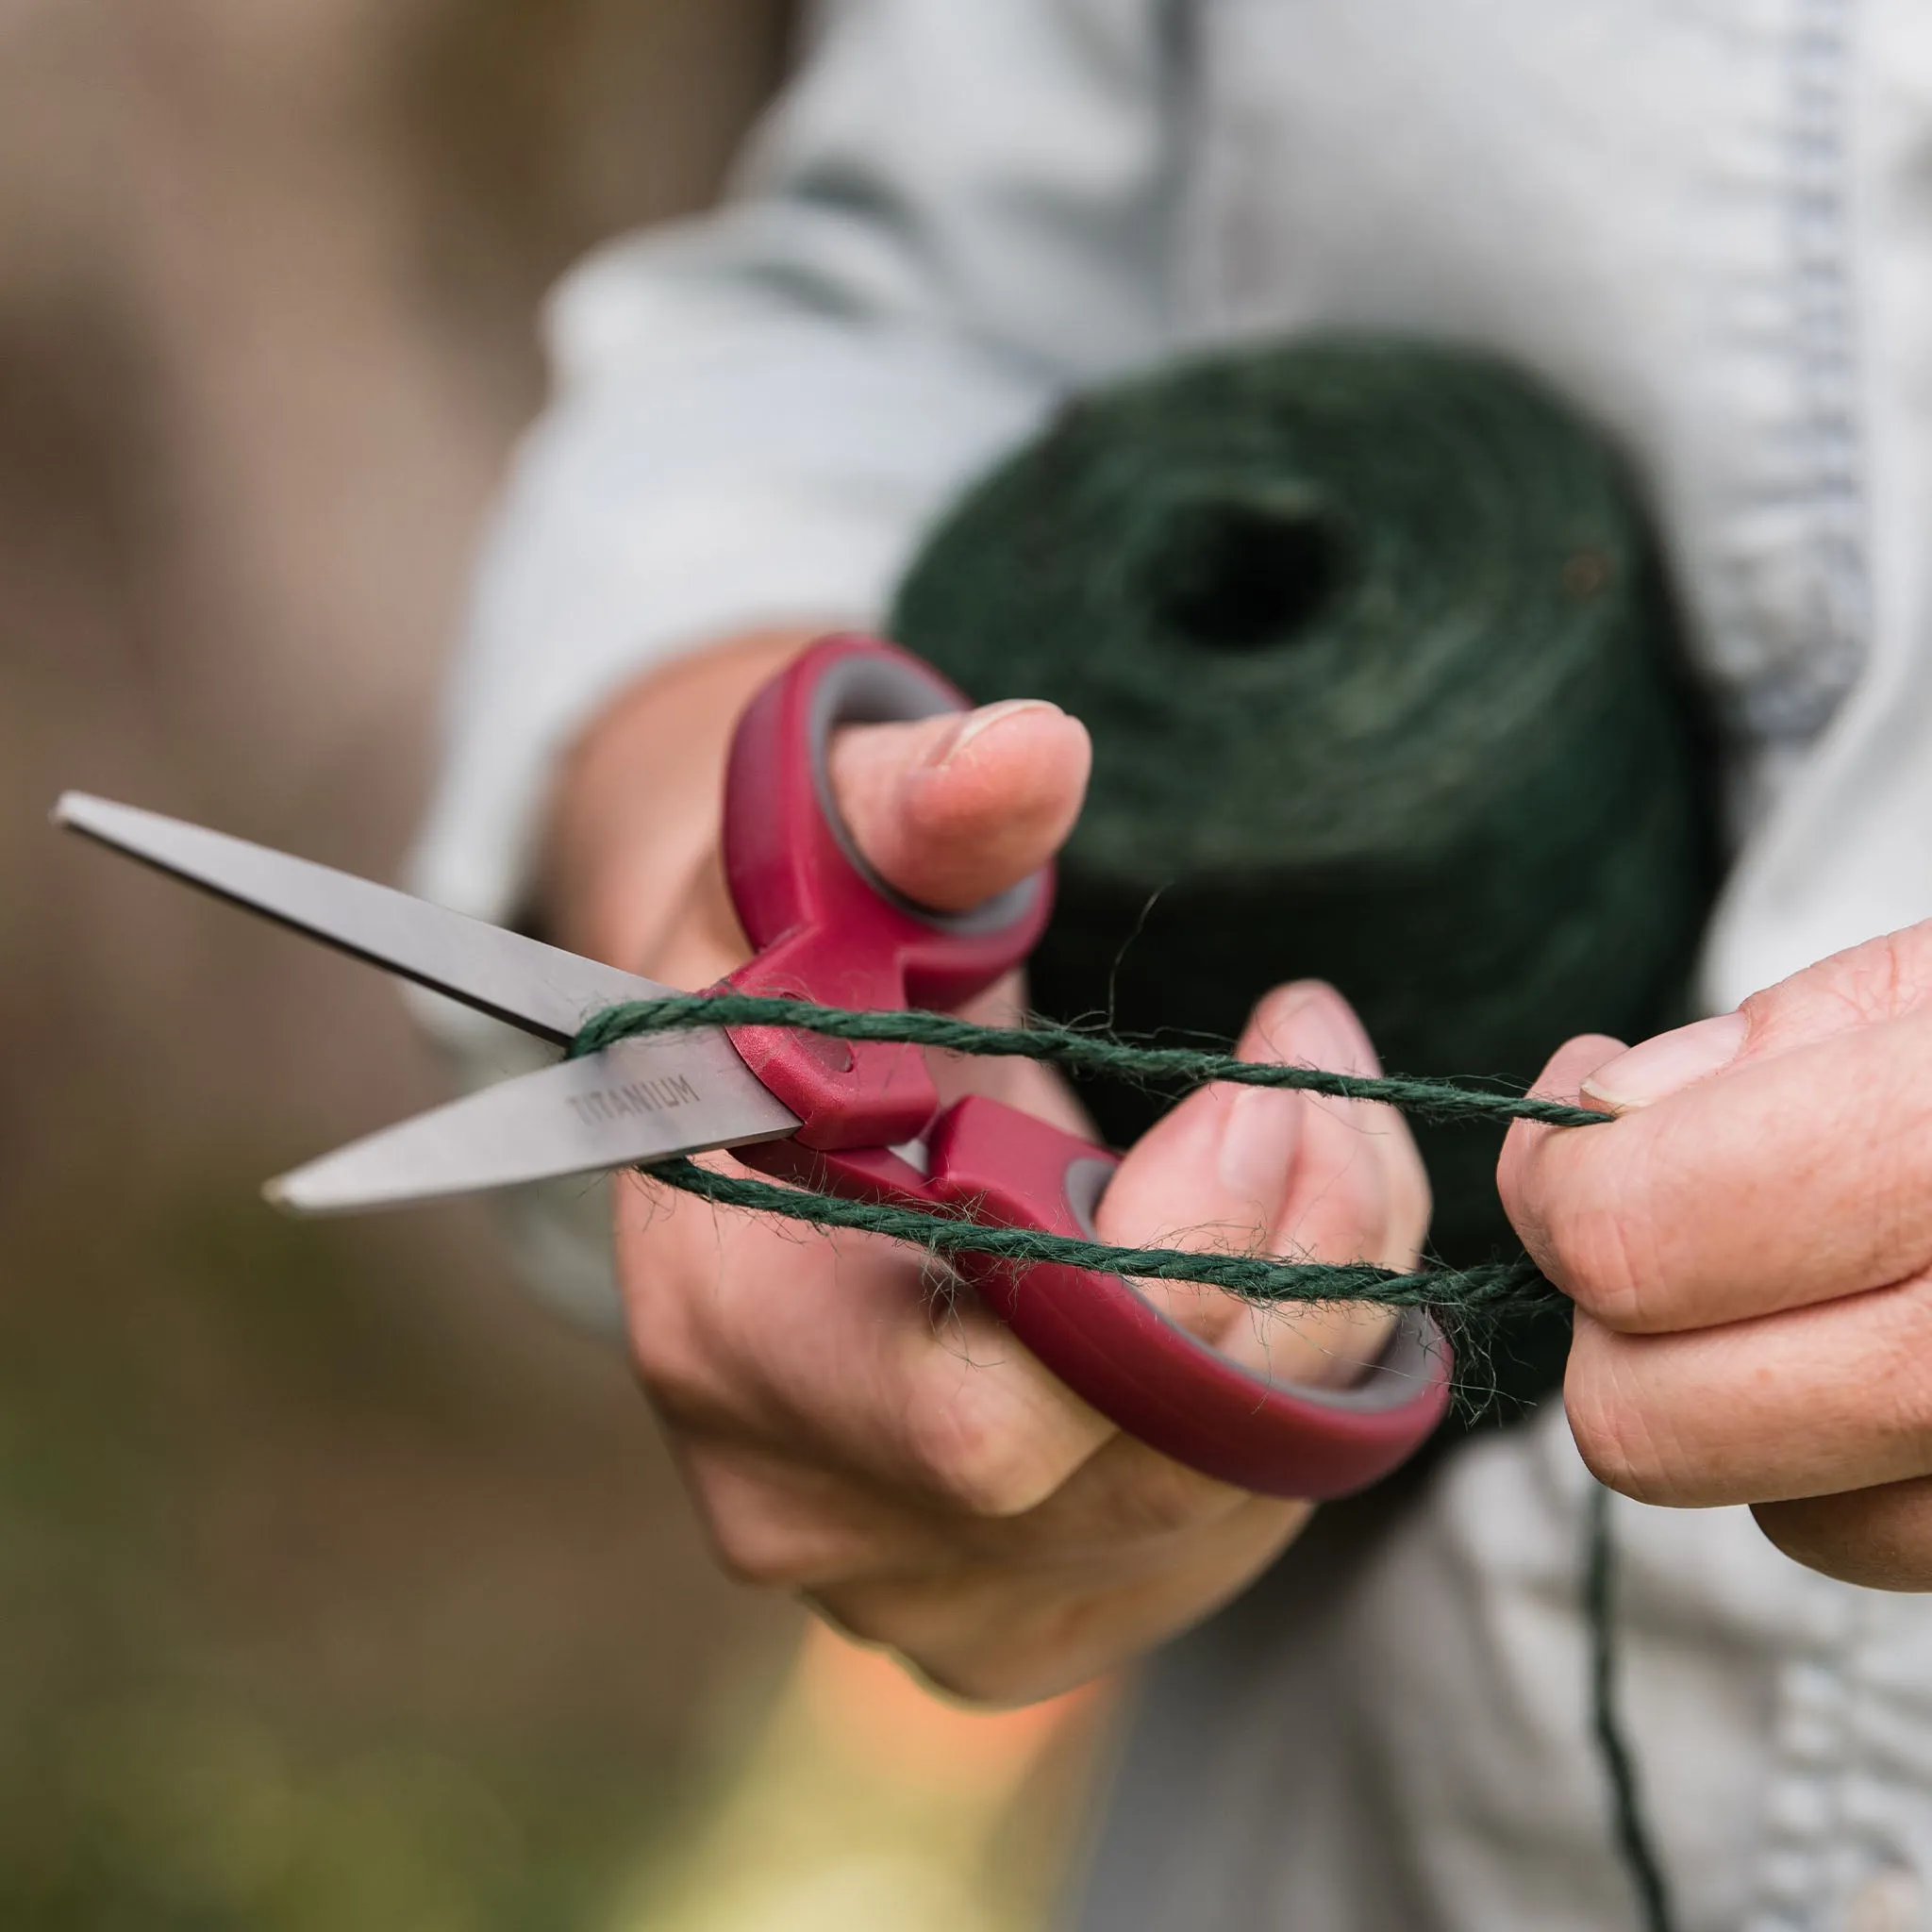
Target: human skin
(1749,1246)
(845,1431)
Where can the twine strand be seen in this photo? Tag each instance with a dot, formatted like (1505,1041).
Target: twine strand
(1072,1050)
(1493,1290)
(1487,1293)
(1635,1845)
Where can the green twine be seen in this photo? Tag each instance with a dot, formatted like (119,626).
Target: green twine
(1620,1769)
(1074,1050)
(1488,1292)
(1482,1295)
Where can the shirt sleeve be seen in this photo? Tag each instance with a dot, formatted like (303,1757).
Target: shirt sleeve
(954,213)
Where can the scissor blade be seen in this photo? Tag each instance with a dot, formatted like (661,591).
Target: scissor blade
(539,988)
(640,1100)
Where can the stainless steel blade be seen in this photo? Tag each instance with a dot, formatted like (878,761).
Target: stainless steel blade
(542,989)
(640,1100)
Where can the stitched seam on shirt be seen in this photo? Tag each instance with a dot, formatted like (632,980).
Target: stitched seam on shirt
(1798,1874)
(1867,1847)
(1808,1748)
(1817,211)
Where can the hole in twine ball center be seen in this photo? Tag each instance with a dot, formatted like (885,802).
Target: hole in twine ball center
(1244,576)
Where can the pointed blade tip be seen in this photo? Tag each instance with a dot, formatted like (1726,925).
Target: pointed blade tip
(284,1194)
(296,1194)
(95,817)
(331,1187)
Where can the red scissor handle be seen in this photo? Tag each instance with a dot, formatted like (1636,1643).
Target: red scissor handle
(1115,1350)
(825,926)
(829,929)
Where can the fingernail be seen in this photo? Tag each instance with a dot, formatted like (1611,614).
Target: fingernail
(975,724)
(1259,1137)
(1654,1068)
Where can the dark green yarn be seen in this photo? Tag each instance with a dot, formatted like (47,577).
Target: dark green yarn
(1465,1300)
(1634,1845)
(1381,676)
(1074,1050)
(1470,1303)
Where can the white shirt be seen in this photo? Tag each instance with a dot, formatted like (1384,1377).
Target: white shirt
(1709,224)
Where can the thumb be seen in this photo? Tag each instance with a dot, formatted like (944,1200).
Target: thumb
(1887,978)
(1249,1169)
(952,809)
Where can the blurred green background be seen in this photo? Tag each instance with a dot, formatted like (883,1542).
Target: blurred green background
(340,1586)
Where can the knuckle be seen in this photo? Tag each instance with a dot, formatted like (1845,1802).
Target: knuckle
(868,1613)
(662,1294)
(1160,1499)
(1882,979)
(1897,1397)
(1613,1215)
(973,1659)
(960,1451)
(989,1678)
(763,1538)
(1592,1251)
(676,1375)
(1885,978)
(752,1554)
(1618,1434)
(749,1554)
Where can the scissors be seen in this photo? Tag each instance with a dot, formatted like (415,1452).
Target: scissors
(861,1119)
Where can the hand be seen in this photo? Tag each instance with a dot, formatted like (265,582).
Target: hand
(850,1433)
(1750,1250)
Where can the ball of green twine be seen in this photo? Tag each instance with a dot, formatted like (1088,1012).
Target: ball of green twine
(1383,683)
